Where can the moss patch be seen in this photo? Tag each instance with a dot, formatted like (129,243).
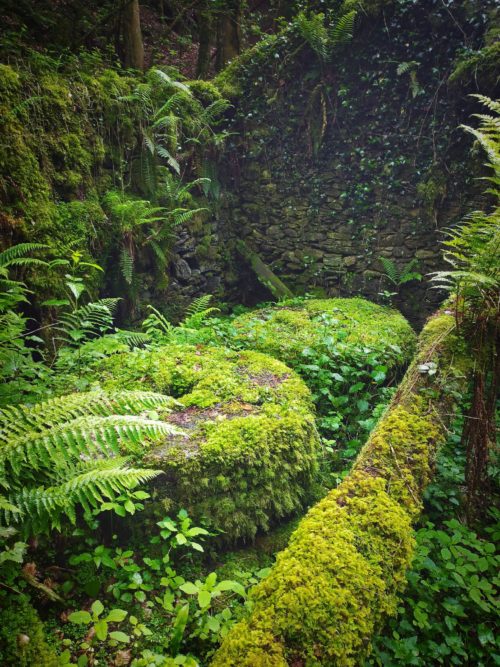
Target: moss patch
(22,636)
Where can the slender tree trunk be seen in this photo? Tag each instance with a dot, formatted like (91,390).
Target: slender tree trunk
(228,34)
(132,36)
(204,31)
(479,431)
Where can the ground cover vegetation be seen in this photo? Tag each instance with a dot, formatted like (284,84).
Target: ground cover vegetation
(187,480)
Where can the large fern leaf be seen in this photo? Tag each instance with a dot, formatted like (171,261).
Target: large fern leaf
(88,485)
(16,252)
(19,420)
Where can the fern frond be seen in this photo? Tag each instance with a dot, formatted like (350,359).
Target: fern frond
(133,338)
(15,252)
(126,265)
(214,111)
(405,67)
(88,487)
(181,215)
(92,437)
(343,30)
(493,105)
(171,82)
(156,323)
(19,420)
(161,257)
(90,320)
(198,305)
(391,270)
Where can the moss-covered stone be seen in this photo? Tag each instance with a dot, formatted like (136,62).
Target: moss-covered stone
(285,330)
(22,637)
(248,456)
(345,565)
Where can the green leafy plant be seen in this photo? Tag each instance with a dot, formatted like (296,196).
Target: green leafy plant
(18,369)
(99,625)
(347,382)
(410,68)
(323,38)
(399,277)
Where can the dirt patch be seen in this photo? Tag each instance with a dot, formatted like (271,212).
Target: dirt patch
(263,379)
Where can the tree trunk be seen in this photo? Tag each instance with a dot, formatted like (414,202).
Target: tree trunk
(132,36)
(228,34)
(204,32)
(479,432)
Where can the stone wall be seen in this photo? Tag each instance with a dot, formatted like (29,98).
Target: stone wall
(337,164)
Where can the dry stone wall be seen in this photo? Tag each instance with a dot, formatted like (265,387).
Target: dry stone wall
(337,164)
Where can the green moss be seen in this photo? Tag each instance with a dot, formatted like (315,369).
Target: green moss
(59,132)
(229,81)
(249,456)
(432,191)
(479,68)
(22,637)
(284,331)
(345,565)
(204,91)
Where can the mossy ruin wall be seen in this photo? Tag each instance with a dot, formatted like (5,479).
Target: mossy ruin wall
(337,164)
(333,165)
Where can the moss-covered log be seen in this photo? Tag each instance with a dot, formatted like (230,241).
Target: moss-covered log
(264,274)
(345,565)
(248,456)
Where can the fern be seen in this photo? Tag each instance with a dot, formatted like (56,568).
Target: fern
(399,277)
(473,248)
(87,321)
(343,30)
(323,39)
(157,324)
(21,420)
(127,265)
(132,338)
(197,311)
(41,508)
(16,254)
(67,452)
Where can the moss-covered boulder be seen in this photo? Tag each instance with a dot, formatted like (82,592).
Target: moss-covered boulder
(284,331)
(22,636)
(247,456)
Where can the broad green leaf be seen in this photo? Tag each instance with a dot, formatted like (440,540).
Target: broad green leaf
(80,617)
(189,588)
(119,636)
(204,599)
(116,615)
(101,630)
(97,607)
